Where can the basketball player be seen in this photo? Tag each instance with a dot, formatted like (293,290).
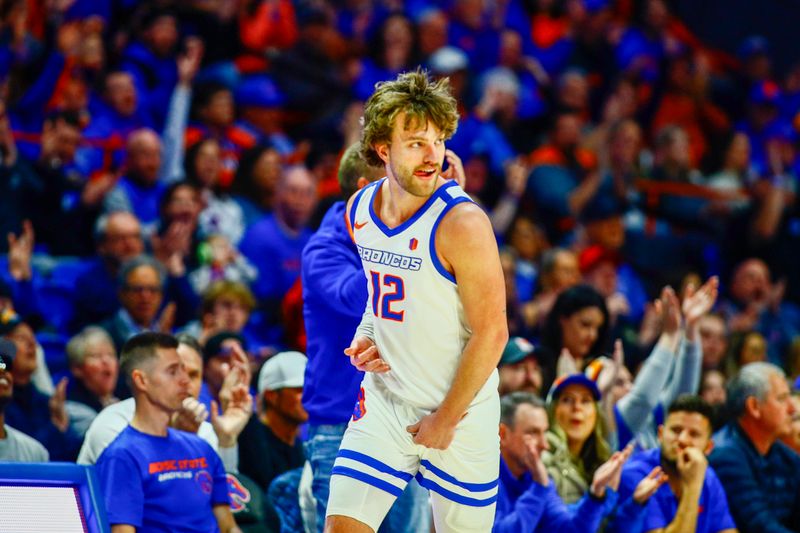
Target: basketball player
(433,328)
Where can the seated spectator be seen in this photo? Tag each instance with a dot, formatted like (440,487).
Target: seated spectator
(221,433)
(44,418)
(713,340)
(526,496)
(260,169)
(712,391)
(745,347)
(693,499)
(225,306)
(577,324)
(756,303)
(141,292)
(140,190)
(93,363)
(518,368)
(219,353)
(792,440)
(118,238)
(559,271)
(274,244)
(14,445)
(260,102)
(220,213)
(269,445)
(155,477)
(577,441)
(761,475)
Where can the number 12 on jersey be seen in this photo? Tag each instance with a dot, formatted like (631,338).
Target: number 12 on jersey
(382,300)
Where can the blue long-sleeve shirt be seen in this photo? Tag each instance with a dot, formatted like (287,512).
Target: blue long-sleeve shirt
(523,505)
(334,294)
(762,490)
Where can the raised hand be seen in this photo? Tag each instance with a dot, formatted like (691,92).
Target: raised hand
(671,311)
(649,485)
(608,375)
(189,62)
(229,425)
(365,357)
(20,251)
(238,375)
(566,364)
(58,406)
(696,303)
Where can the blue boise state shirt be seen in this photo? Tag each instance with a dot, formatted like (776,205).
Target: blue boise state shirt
(162,484)
(662,507)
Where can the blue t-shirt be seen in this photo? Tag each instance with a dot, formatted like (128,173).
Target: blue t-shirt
(662,507)
(162,484)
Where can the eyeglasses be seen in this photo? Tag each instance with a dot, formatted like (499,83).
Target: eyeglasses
(141,289)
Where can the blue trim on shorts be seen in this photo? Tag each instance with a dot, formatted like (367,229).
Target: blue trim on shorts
(452,496)
(374,463)
(472,487)
(452,202)
(368,479)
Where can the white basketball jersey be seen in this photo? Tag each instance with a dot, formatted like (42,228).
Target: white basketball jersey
(420,329)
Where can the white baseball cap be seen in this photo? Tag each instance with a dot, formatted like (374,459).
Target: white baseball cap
(281,371)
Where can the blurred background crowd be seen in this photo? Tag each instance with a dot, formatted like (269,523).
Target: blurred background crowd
(164,163)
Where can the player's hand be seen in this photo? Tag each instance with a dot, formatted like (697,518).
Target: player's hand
(189,417)
(533,460)
(692,464)
(433,431)
(649,485)
(365,357)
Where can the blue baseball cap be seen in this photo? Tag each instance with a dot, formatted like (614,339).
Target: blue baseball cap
(572,379)
(259,91)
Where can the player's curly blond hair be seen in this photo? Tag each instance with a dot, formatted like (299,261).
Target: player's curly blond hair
(415,94)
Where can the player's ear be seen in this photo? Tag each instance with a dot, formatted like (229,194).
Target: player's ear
(382,149)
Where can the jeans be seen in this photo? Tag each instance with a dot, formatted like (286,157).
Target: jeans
(409,514)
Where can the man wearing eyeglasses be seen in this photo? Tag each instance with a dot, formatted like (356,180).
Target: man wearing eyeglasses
(141,290)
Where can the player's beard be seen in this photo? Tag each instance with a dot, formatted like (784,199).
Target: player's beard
(413,185)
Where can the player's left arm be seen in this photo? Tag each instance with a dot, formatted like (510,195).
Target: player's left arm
(225,521)
(466,246)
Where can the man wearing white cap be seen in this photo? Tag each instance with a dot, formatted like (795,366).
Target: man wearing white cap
(269,446)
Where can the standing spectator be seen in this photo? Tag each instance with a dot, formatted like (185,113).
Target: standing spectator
(14,445)
(155,477)
(761,475)
(693,499)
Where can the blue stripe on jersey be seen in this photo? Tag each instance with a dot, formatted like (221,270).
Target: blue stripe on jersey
(353,207)
(374,463)
(391,232)
(369,480)
(472,487)
(432,241)
(452,496)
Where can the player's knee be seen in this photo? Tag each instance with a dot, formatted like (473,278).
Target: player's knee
(345,524)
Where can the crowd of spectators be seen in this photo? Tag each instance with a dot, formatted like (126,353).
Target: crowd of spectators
(164,164)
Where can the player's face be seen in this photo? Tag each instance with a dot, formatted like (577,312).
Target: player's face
(167,381)
(415,156)
(681,430)
(576,413)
